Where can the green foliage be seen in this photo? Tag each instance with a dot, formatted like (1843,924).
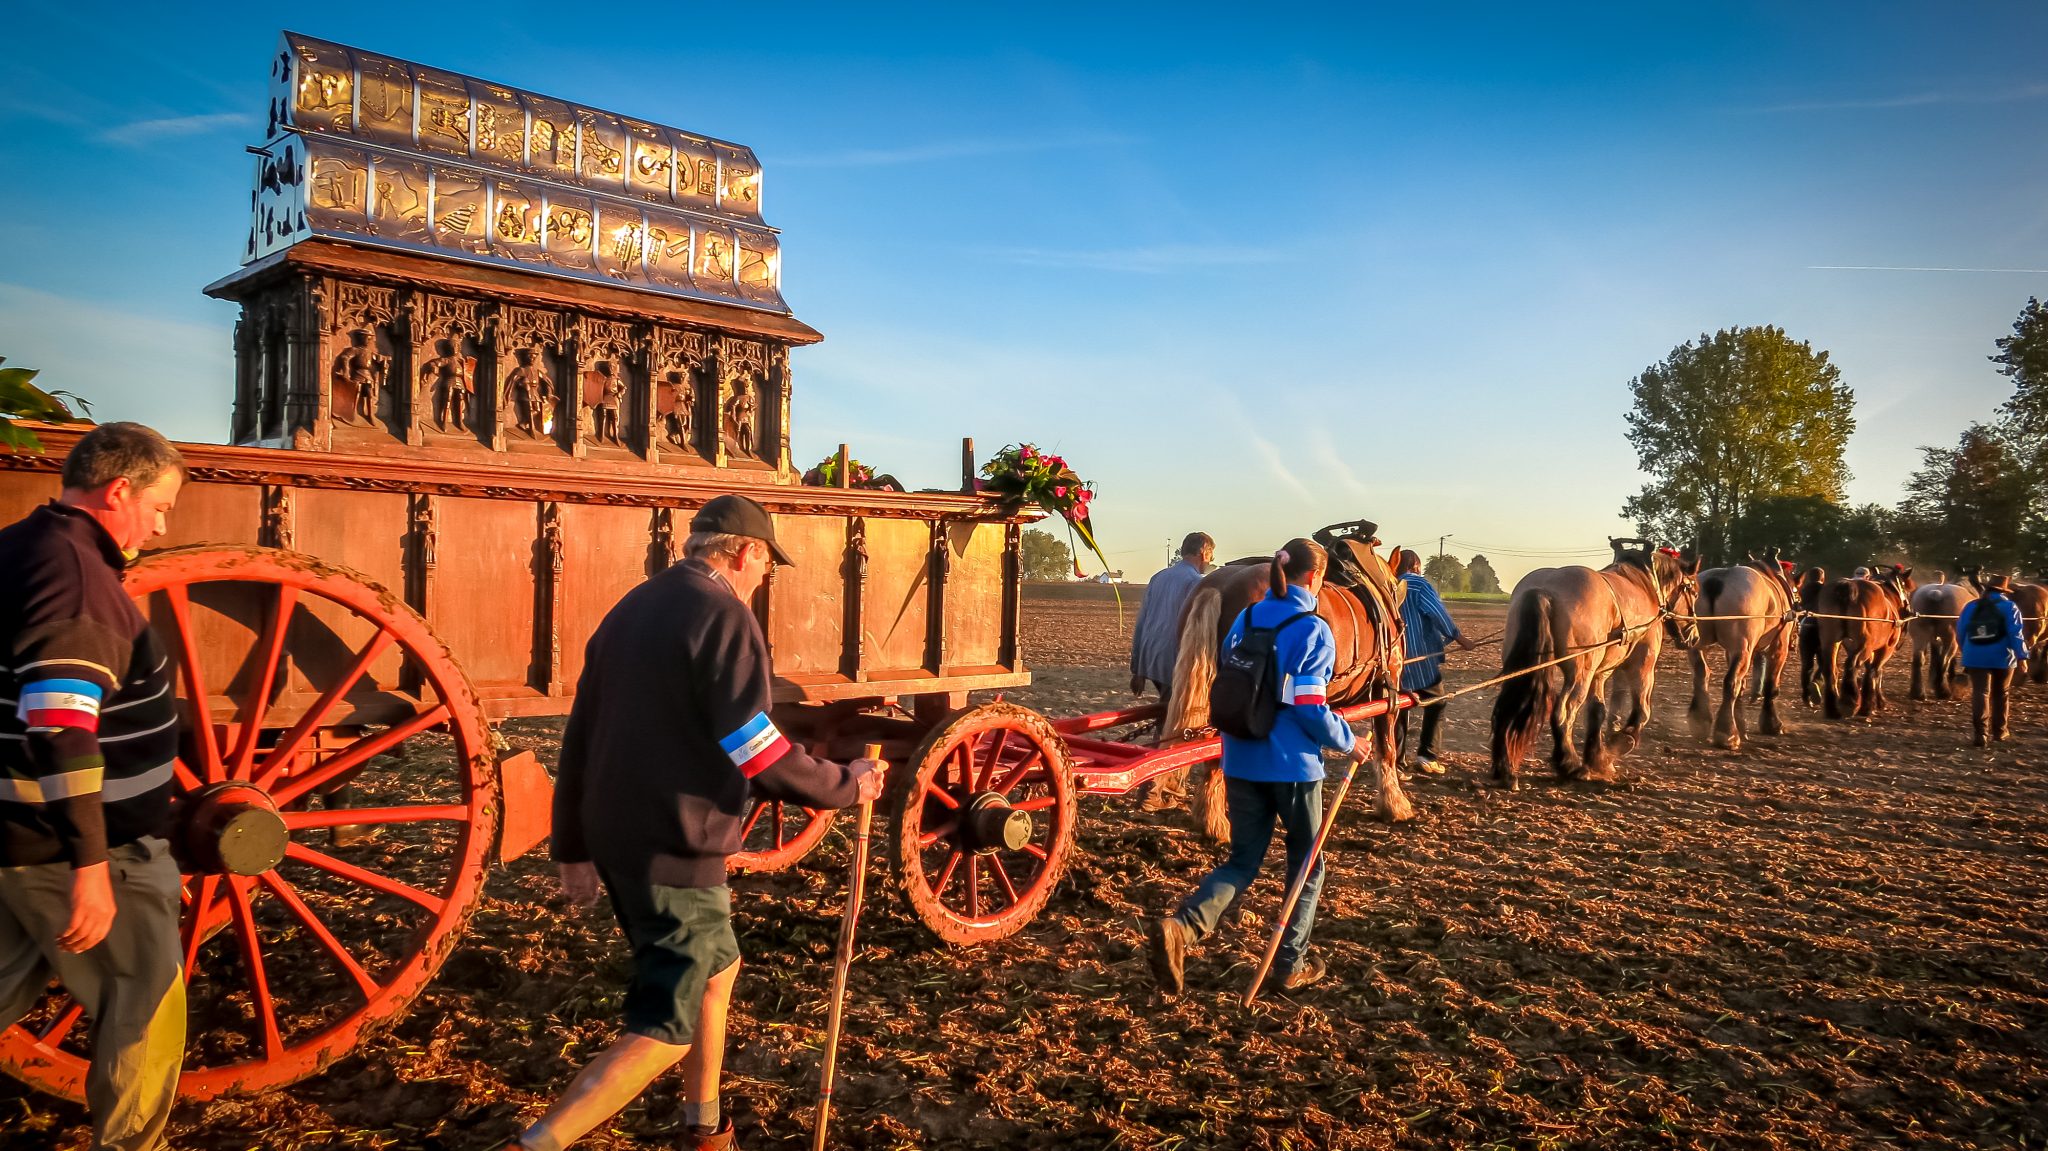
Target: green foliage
(1969,502)
(2023,356)
(1480,578)
(1045,557)
(1813,530)
(1741,416)
(1448,573)
(21,399)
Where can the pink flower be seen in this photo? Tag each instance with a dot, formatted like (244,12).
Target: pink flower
(1060,491)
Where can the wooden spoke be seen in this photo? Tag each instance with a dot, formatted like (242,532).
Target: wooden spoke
(995,759)
(187,778)
(968,772)
(974,887)
(289,896)
(1003,878)
(198,920)
(937,833)
(1016,774)
(356,754)
(1035,850)
(272,656)
(180,600)
(753,817)
(281,755)
(364,816)
(61,1026)
(778,826)
(367,878)
(939,793)
(946,872)
(252,957)
(1040,804)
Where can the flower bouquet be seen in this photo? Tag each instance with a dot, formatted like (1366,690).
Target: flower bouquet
(826,475)
(1021,474)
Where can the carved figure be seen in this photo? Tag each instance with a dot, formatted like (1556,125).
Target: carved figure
(526,394)
(680,414)
(449,380)
(740,409)
(604,411)
(362,369)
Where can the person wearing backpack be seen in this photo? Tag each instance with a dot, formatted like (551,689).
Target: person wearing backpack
(1270,703)
(1991,636)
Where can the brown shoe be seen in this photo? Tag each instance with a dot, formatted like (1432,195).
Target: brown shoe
(719,1140)
(1311,970)
(1166,940)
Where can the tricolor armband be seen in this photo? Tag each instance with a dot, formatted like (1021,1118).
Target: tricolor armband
(755,745)
(1303,689)
(49,704)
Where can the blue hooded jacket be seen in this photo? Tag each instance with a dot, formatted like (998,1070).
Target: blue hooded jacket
(1307,655)
(2008,652)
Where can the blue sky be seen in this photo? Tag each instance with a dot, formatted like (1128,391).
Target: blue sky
(1253,270)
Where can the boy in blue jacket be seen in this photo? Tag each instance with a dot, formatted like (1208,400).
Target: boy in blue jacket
(1992,638)
(1276,778)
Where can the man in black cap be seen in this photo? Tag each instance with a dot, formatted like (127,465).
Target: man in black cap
(668,743)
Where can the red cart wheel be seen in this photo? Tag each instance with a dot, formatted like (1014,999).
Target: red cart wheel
(337,807)
(778,834)
(984,823)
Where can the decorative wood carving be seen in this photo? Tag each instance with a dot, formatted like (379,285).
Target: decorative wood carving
(277,517)
(855,653)
(606,383)
(426,535)
(940,567)
(665,547)
(552,592)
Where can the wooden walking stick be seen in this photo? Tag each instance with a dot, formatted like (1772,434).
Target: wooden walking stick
(844,961)
(1308,867)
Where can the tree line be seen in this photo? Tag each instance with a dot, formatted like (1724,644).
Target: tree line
(1742,433)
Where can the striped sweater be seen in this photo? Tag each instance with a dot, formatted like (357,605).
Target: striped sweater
(88,720)
(669,740)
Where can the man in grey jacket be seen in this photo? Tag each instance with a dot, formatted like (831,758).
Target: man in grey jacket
(1155,642)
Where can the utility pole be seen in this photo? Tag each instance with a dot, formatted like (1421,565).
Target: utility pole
(1440,546)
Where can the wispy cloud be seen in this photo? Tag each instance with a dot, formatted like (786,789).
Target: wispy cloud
(140,132)
(940,150)
(1913,100)
(1277,464)
(1154,258)
(1904,268)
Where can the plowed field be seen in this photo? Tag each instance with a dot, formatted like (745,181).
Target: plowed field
(1832,940)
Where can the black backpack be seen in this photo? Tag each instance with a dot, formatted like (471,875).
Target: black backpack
(1986,626)
(1245,699)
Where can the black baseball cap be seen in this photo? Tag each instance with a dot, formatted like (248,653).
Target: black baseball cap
(740,516)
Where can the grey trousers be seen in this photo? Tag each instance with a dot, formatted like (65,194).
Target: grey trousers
(130,984)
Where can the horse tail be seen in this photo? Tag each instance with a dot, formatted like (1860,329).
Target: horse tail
(1194,667)
(1526,699)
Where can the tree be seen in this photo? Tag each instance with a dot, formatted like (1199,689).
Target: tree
(1740,416)
(1969,502)
(1447,572)
(1811,530)
(2023,356)
(1045,557)
(1480,576)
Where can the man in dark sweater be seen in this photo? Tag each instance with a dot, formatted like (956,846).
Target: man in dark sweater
(668,743)
(88,736)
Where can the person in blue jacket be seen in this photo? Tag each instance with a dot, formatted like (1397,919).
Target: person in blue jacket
(1276,779)
(1992,637)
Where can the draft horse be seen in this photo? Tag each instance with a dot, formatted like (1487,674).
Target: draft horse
(1935,608)
(1862,621)
(1609,621)
(1758,641)
(1369,653)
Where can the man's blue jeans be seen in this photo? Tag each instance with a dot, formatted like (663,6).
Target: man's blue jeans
(1253,807)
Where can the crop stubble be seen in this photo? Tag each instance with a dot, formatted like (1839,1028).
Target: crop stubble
(1833,940)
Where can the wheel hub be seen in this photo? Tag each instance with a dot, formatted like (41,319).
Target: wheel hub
(233,829)
(992,825)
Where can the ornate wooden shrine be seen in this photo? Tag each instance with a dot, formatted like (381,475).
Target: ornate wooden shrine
(438,265)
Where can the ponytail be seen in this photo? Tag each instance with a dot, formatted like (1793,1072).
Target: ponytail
(1295,562)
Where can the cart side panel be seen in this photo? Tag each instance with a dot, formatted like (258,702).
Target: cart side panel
(214,514)
(974,595)
(363,531)
(22,492)
(895,600)
(604,556)
(807,614)
(483,590)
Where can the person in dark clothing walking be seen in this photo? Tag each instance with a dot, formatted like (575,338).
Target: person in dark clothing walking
(668,743)
(1992,637)
(88,744)
(1425,627)
(1276,779)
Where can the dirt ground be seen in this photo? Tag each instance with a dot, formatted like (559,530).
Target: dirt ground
(1832,940)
